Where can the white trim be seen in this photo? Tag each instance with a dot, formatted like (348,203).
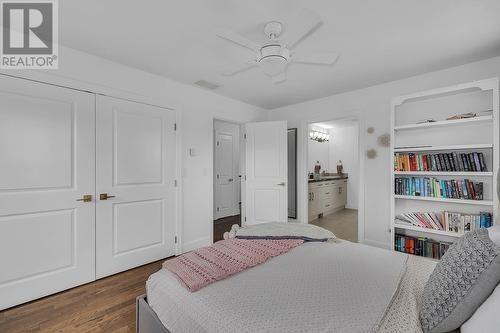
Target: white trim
(211,156)
(178,177)
(445,173)
(450,147)
(64,82)
(486,84)
(444,123)
(196,244)
(428,230)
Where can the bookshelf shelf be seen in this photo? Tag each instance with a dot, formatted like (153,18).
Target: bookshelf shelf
(443,123)
(448,200)
(462,137)
(427,230)
(444,173)
(450,147)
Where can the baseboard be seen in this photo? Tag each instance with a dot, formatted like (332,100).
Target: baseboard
(195,244)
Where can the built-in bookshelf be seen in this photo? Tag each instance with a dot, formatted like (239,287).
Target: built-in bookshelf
(444,165)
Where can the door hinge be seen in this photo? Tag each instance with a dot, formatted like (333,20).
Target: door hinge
(217,176)
(175,127)
(217,208)
(217,143)
(175,183)
(245,218)
(244,136)
(175,239)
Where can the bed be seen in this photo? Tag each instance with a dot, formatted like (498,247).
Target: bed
(322,287)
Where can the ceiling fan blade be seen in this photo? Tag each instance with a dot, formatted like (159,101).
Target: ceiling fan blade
(279,78)
(316,59)
(237,39)
(239,68)
(306,22)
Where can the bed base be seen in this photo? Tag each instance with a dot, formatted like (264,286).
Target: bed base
(146,320)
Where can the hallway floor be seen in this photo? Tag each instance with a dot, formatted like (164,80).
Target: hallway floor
(344,224)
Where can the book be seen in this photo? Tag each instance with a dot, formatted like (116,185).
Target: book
(450,162)
(446,220)
(482,163)
(472,165)
(432,187)
(420,246)
(465,162)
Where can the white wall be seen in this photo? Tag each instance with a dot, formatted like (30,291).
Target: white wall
(343,146)
(318,151)
(371,106)
(196,108)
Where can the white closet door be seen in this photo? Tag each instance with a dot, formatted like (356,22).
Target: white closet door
(46,165)
(135,167)
(225,193)
(266,172)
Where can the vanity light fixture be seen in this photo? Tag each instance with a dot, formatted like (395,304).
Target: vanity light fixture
(319,136)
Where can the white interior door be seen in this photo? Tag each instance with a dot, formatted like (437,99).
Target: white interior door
(227,144)
(135,168)
(266,172)
(46,165)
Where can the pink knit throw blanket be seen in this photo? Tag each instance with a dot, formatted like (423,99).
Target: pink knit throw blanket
(201,267)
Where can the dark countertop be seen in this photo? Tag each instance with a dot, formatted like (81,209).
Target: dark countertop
(328,178)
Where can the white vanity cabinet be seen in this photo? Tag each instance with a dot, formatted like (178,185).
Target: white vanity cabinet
(326,197)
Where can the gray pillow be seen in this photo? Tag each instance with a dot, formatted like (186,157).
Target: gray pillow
(464,278)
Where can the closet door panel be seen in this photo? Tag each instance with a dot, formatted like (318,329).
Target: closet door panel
(136,168)
(47,157)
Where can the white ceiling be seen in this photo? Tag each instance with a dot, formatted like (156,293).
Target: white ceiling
(378,41)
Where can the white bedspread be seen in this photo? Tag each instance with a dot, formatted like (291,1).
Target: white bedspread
(316,287)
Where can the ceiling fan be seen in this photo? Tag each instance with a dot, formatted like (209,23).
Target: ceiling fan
(274,55)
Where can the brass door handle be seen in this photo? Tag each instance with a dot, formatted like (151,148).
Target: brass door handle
(85,198)
(105,196)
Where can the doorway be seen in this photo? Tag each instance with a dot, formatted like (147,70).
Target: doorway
(227,177)
(333,164)
(292,173)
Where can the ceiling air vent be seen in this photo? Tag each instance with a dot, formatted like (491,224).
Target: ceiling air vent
(207,85)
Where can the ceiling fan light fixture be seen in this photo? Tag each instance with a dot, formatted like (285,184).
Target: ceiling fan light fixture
(273,65)
(273,59)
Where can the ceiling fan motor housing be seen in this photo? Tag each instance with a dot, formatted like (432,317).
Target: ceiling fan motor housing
(273,58)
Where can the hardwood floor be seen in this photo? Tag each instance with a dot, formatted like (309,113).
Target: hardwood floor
(344,224)
(224,224)
(106,305)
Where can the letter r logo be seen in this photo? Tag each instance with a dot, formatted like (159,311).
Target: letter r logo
(27,27)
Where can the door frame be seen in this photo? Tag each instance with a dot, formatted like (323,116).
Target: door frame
(296,178)
(303,184)
(63,82)
(211,171)
(236,205)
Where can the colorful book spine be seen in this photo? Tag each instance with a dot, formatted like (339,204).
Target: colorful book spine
(448,162)
(432,187)
(420,246)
